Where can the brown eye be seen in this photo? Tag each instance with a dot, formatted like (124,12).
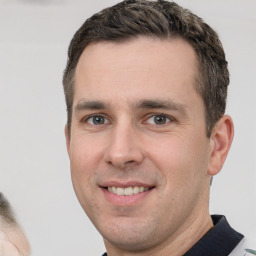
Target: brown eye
(97,120)
(158,119)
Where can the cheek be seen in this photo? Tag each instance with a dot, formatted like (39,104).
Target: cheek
(84,160)
(85,154)
(180,160)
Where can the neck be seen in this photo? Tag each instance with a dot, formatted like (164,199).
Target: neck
(187,237)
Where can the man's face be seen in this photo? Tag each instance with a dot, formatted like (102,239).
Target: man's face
(138,128)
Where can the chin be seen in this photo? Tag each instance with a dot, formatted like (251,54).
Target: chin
(128,243)
(130,236)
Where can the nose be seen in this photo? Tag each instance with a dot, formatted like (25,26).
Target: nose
(124,148)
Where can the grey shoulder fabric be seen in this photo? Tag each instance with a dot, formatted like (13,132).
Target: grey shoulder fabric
(245,248)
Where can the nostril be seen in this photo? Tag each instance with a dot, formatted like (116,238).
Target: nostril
(129,162)
(121,164)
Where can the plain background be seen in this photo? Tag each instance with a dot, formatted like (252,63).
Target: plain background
(34,166)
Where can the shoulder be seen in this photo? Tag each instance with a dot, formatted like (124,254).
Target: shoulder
(247,247)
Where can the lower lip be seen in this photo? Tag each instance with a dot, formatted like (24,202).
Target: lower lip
(125,200)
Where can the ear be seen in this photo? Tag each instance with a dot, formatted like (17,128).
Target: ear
(221,139)
(67,135)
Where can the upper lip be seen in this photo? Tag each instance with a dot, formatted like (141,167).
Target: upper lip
(125,184)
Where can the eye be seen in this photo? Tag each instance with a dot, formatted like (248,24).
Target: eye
(158,119)
(97,120)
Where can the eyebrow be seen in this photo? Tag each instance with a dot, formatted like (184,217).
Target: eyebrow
(167,104)
(89,105)
(161,104)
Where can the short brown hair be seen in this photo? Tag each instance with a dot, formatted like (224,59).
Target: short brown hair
(164,20)
(6,210)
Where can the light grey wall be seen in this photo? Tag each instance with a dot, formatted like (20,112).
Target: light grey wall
(34,167)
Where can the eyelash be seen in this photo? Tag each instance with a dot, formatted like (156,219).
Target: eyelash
(153,115)
(86,119)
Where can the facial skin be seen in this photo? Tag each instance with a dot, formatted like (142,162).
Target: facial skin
(139,122)
(12,240)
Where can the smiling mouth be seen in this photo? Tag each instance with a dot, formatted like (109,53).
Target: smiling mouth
(128,191)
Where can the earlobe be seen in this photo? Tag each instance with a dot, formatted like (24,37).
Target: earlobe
(67,135)
(221,139)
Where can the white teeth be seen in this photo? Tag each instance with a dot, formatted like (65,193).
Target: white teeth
(127,191)
(120,191)
(136,190)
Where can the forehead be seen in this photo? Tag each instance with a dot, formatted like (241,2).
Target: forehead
(141,64)
(13,236)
